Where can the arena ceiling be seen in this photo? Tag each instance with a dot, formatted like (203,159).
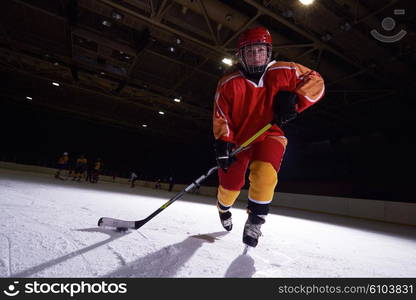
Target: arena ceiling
(122,62)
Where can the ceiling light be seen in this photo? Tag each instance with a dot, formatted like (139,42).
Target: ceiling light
(326,37)
(106,23)
(144,125)
(287,13)
(172,49)
(116,16)
(345,27)
(29,98)
(306,2)
(177,100)
(161,113)
(178,41)
(55,83)
(227,61)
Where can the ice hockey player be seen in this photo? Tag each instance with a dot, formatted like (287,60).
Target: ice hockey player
(132,179)
(80,168)
(261,90)
(62,165)
(98,164)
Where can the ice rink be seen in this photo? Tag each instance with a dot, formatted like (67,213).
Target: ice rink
(48,228)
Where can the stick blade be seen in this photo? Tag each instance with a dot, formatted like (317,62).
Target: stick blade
(116,223)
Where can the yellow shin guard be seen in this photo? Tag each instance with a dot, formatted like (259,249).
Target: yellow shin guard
(263,180)
(226,198)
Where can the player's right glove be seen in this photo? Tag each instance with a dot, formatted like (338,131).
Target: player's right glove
(222,154)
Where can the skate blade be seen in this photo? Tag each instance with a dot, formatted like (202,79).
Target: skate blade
(246,249)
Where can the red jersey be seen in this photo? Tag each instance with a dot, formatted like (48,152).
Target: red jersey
(243,107)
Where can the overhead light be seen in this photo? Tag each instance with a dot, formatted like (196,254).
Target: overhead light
(306,2)
(55,83)
(178,41)
(287,13)
(29,98)
(184,10)
(56,63)
(172,49)
(326,37)
(345,27)
(227,61)
(116,16)
(106,23)
(144,125)
(102,73)
(161,113)
(177,100)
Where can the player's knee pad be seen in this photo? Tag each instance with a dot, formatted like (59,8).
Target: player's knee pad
(226,198)
(263,180)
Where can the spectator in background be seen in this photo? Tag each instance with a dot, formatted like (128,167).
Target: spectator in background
(62,165)
(80,168)
(171,183)
(133,177)
(96,170)
(88,178)
(195,190)
(158,185)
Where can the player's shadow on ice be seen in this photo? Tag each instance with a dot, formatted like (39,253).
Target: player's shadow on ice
(242,267)
(113,235)
(167,261)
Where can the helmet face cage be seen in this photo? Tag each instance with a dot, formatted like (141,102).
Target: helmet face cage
(254,57)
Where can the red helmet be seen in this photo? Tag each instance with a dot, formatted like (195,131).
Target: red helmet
(247,40)
(254,36)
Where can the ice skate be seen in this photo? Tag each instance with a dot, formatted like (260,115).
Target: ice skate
(252,230)
(226,220)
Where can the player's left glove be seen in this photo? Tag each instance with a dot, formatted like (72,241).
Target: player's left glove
(223,154)
(285,104)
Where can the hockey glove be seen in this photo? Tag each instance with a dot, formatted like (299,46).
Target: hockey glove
(222,154)
(285,107)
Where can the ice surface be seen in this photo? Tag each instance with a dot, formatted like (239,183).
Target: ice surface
(48,228)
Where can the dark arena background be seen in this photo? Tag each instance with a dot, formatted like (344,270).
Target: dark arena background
(132,82)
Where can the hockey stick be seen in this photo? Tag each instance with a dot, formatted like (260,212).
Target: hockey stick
(124,225)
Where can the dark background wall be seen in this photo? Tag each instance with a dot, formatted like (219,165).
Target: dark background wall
(371,167)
